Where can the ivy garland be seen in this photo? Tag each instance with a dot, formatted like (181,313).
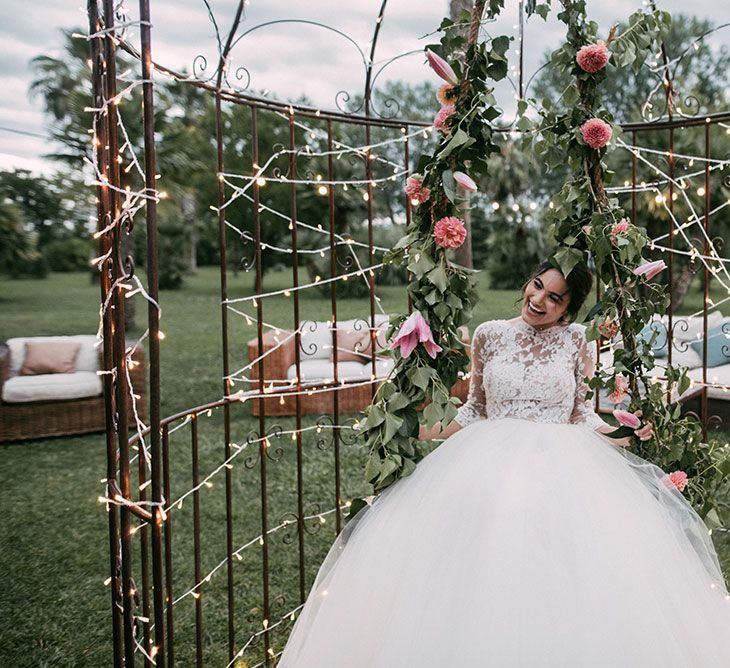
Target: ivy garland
(585,223)
(442,292)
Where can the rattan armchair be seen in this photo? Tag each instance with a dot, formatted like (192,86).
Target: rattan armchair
(20,421)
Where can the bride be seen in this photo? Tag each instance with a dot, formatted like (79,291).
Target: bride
(527,539)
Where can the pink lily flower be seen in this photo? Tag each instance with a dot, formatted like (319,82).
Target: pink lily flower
(441,67)
(465,181)
(627,419)
(650,269)
(415,329)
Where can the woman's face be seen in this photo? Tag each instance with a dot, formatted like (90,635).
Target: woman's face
(545,299)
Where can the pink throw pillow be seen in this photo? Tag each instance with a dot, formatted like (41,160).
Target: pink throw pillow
(49,357)
(354,345)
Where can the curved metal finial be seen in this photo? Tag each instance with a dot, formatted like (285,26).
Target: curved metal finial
(369,63)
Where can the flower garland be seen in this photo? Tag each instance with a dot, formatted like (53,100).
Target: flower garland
(585,222)
(427,348)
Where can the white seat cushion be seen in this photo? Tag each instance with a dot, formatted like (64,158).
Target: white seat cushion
(87,358)
(52,386)
(717,374)
(317,370)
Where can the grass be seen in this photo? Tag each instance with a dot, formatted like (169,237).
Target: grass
(53,556)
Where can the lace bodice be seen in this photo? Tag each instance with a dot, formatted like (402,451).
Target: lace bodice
(538,375)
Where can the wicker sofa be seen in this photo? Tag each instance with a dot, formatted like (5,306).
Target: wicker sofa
(61,403)
(686,332)
(356,379)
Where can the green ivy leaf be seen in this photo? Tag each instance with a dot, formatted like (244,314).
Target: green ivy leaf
(438,277)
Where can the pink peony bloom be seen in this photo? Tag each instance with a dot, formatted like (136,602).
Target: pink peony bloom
(650,269)
(465,181)
(596,133)
(415,329)
(449,232)
(593,57)
(415,190)
(443,116)
(627,419)
(676,479)
(441,67)
(446,94)
(621,385)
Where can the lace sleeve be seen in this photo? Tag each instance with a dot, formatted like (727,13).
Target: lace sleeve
(475,407)
(585,366)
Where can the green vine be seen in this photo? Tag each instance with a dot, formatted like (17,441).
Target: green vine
(586,222)
(441,291)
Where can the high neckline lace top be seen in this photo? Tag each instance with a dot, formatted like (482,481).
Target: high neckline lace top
(523,372)
(522,324)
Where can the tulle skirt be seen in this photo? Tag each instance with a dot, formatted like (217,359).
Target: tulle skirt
(518,544)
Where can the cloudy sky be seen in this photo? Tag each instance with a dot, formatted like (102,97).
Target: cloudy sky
(287,58)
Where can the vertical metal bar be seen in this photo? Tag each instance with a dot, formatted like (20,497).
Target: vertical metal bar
(333,304)
(705,302)
(226,369)
(118,333)
(297,349)
(104,214)
(153,319)
(168,548)
(522,47)
(264,443)
(633,179)
(196,543)
(670,266)
(407,166)
(144,549)
(371,255)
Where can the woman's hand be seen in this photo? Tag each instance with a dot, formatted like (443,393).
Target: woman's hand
(646,431)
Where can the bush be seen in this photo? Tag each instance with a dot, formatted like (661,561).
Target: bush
(68,254)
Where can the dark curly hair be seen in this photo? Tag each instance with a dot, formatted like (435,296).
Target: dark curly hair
(579,280)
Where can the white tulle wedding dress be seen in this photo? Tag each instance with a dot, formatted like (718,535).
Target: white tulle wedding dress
(525,540)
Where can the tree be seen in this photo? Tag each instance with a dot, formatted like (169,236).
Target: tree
(18,253)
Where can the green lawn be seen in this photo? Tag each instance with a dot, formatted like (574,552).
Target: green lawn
(54,604)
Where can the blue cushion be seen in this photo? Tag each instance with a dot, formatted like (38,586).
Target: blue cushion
(717,339)
(659,347)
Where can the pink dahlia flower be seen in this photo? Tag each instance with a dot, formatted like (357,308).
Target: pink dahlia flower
(593,57)
(650,269)
(465,181)
(596,133)
(449,232)
(443,116)
(627,419)
(446,94)
(621,386)
(415,190)
(415,329)
(441,67)
(677,479)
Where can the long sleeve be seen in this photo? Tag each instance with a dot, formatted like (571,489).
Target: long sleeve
(475,407)
(585,366)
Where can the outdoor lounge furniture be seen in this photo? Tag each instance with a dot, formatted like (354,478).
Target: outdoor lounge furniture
(356,379)
(55,404)
(686,344)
